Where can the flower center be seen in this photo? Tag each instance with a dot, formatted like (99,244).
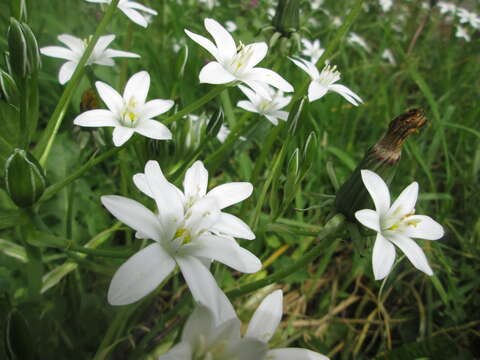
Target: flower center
(329,75)
(129,115)
(184,234)
(404,221)
(241,60)
(217,351)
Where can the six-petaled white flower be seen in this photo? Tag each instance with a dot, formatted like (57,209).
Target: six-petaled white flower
(138,13)
(205,337)
(313,50)
(468,17)
(396,224)
(189,229)
(130,113)
(236,64)
(324,81)
(268,107)
(462,33)
(74,51)
(447,7)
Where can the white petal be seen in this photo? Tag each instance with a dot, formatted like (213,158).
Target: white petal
(231,193)
(205,43)
(250,349)
(95,118)
(261,88)
(252,96)
(121,135)
(137,6)
(378,190)
(294,353)
(137,87)
(225,250)
(425,228)
(154,108)
(111,53)
(58,52)
(105,61)
(135,16)
(412,251)
(258,50)
(66,71)
(266,318)
(140,275)
(110,97)
(72,42)
(247,105)
(140,181)
(405,203)
(214,73)
(204,289)
(133,214)
(225,43)
(272,119)
(270,77)
(348,94)
(301,64)
(181,351)
(196,181)
(202,215)
(383,257)
(153,129)
(316,91)
(200,321)
(231,225)
(368,218)
(282,115)
(103,42)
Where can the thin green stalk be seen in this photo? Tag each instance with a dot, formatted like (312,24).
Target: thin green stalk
(22,143)
(329,232)
(195,105)
(265,151)
(46,141)
(53,189)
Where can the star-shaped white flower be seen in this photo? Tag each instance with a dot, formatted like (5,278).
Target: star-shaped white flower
(130,113)
(74,51)
(468,17)
(268,107)
(206,337)
(189,229)
(313,50)
(236,64)
(138,13)
(462,33)
(323,82)
(447,7)
(396,225)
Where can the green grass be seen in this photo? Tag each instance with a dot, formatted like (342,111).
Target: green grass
(333,305)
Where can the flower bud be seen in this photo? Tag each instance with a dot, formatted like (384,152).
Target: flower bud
(24,178)
(287,16)
(24,56)
(382,158)
(8,88)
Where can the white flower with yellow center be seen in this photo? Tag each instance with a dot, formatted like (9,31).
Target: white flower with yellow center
(130,113)
(236,63)
(396,225)
(268,107)
(189,229)
(75,49)
(207,337)
(138,13)
(324,81)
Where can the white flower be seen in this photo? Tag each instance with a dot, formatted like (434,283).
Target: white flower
(387,55)
(230,26)
(354,38)
(236,64)
(189,229)
(447,7)
(268,107)
(204,338)
(316,4)
(337,21)
(136,12)
(324,81)
(312,49)
(130,113)
(396,224)
(462,33)
(74,51)
(467,17)
(386,4)
(224,132)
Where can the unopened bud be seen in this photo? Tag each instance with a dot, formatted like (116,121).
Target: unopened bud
(8,88)
(381,158)
(287,16)
(24,178)
(24,56)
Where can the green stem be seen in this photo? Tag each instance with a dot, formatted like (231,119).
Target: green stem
(45,144)
(330,230)
(53,189)
(22,143)
(195,105)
